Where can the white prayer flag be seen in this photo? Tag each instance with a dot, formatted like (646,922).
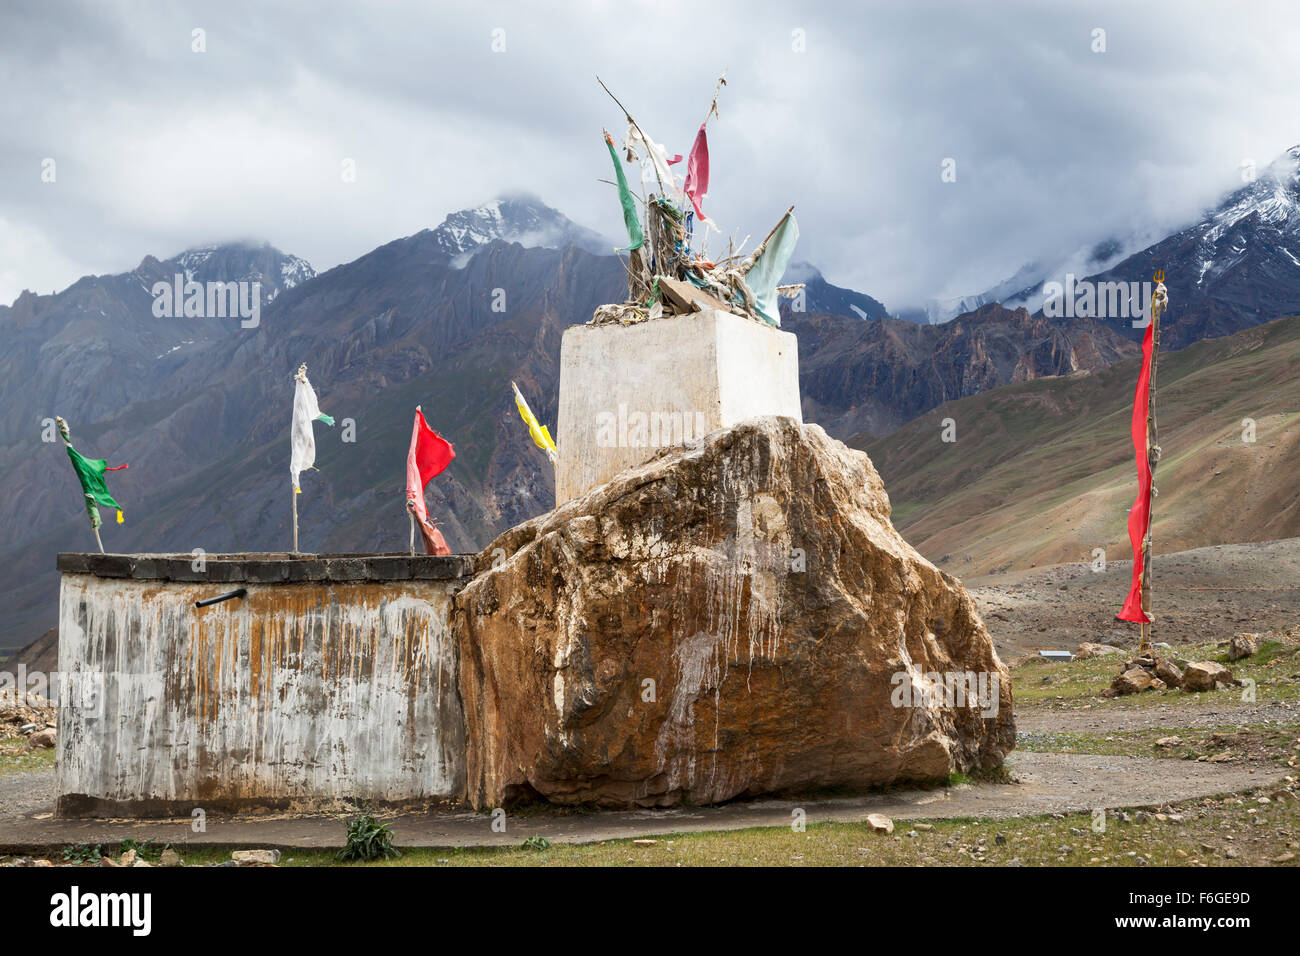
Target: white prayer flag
(305,411)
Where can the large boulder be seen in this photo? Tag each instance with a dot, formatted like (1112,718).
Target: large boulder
(732,618)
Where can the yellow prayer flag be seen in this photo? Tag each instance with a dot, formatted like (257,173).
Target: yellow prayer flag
(541,436)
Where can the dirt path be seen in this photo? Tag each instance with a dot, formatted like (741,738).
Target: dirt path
(1048,783)
(1207,594)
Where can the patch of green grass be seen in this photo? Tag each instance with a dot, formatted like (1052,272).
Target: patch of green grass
(1220,824)
(1277,742)
(1079,682)
(23,759)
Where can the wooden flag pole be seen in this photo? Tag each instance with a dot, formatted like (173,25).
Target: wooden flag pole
(1159,301)
(295,520)
(99,541)
(411,515)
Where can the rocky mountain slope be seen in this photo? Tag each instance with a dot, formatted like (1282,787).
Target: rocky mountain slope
(1043,472)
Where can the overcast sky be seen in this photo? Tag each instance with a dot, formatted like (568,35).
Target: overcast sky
(847,110)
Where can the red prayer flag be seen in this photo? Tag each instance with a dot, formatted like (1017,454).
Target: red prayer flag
(430,453)
(1139,516)
(697,173)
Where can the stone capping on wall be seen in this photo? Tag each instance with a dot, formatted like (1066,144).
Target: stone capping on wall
(270,567)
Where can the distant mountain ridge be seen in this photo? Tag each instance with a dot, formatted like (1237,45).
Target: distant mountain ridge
(200,407)
(518,218)
(1236,266)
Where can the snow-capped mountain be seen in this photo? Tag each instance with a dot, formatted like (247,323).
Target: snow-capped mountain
(1238,266)
(231,262)
(822,296)
(519,218)
(1024,290)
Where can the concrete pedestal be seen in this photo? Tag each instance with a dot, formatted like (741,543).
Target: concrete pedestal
(628,391)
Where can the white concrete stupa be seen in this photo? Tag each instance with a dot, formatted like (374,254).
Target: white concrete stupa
(695,347)
(627,391)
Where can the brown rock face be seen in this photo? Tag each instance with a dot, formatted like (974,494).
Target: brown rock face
(732,618)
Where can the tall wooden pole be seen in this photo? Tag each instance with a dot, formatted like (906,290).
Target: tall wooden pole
(411,514)
(1159,301)
(295,520)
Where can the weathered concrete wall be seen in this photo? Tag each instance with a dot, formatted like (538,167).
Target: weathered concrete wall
(628,391)
(338,679)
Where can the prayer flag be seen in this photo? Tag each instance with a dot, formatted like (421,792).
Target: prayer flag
(429,455)
(769,265)
(303,442)
(630,219)
(1139,516)
(541,436)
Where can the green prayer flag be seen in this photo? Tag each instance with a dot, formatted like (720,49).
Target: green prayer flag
(90,472)
(630,218)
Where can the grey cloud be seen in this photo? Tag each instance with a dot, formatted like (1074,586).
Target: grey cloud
(1056,146)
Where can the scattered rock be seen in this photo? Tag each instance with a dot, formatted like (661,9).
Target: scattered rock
(1168,672)
(1242,645)
(1132,681)
(1205,675)
(644,842)
(1169,741)
(1088,650)
(265,857)
(127,859)
(169,858)
(880,823)
(41,739)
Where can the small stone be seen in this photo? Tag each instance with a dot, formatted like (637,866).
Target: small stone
(925,827)
(1168,672)
(1242,645)
(1169,741)
(1132,681)
(880,823)
(169,858)
(1283,858)
(644,842)
(127,858)
(41,739)
(1205,675)
(1088,650)
(245,857)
